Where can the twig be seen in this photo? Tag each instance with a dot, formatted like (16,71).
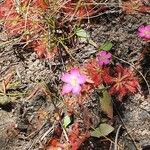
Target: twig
(116,138)
(47,132)
(64,131)
(76,9)
(67,50)
(34,135)
(134,143)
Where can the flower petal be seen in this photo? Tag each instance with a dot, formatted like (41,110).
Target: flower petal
(109,55)
(67,88)
(101,63)
(102,53)
(66,77)
(147,36)
(75,72)
(141,34)
(106,61)
(141,28)
(147,28)
(76,89)
(82,79)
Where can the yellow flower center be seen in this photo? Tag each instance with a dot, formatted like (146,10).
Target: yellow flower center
(147,32)
(74,82)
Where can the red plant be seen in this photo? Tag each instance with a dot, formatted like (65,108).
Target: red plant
(122,82)
(131,6)
(13,25)
(6,7)
(71,8)
(76,138)
(41,4)
(27,22)
(40,48)
(15,22)
(55,143)
(94,71)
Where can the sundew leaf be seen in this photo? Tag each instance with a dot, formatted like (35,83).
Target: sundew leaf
(103,130)
(82,34)
(106,46)
(106,103)
(67,121)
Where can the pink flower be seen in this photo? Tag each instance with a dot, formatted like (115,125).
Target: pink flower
(104,58)
(73,82)
(144,31)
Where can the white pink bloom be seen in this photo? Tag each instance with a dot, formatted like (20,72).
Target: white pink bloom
(104,58)
(144,32)
(73,81)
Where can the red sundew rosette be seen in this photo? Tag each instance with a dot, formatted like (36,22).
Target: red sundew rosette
(71,9)
(122,82)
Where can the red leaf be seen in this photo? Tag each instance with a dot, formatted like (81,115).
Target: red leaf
(135,6)
(5,8)
(106,76)
(71,8)
(76,138)
(123,82)
(40,48)
(40,4)
(55,144)
(13,24)
(94,71)
(144,9)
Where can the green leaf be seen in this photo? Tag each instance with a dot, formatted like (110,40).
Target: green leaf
(67,121)
(106,103)
(103,130)
(106,46)
(82,34)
